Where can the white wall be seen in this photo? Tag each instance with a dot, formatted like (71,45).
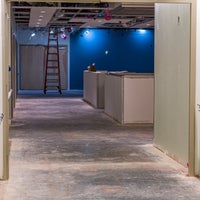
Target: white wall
(197,108)
(172,44)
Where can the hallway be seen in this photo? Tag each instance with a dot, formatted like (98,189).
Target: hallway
(63,149)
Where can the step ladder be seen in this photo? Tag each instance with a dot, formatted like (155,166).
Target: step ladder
(52,71)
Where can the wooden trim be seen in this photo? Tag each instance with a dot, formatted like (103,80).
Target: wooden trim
(5,12)
(191,169)
(149,1)
(57,1)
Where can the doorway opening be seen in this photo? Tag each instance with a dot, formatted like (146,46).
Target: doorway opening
(115,25)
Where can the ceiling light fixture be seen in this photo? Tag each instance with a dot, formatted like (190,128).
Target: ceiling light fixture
(32,35)
(62,29)
(107,15)
(63,36)
(87,32)
(142,31)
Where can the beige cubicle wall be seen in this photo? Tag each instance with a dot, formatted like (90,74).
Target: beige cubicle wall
(172,71)
(93,88)
(129,97)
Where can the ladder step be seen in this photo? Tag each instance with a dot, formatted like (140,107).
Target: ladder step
(53,50)
(52,80)
(52,67)
(52,84)
(52,34)
(52,60)
(47,86)
(52,74)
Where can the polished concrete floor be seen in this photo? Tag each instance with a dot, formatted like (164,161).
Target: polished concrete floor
(63,149)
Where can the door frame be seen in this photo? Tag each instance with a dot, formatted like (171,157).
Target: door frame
(6,57)
(197,105)
(5,47)
(1,103)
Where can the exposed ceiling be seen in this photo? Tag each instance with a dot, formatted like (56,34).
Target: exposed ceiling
(83,15)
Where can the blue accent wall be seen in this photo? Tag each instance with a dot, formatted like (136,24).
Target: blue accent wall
(112,50)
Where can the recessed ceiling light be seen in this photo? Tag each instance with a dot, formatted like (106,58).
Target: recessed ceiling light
(38,23)
(41,16)
(39,20)
(142,31)
(87,32)
(42,11)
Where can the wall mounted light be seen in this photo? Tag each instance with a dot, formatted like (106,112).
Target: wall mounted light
(106,52)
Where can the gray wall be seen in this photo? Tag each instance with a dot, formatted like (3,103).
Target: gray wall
(31,58)
(172,36)
(32,74)
(32,67)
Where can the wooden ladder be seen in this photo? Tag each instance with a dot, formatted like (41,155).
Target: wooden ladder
(52,71)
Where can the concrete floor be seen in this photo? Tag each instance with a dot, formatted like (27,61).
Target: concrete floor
(63,149)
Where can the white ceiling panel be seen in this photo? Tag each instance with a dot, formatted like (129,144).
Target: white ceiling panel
(40,16)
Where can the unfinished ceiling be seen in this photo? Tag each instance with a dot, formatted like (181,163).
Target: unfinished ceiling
(83,15)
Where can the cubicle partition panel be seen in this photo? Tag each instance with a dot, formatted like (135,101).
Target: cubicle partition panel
(32,62)
(93,92)
(138,99)
(129,97)
(114,97)
(32,67)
